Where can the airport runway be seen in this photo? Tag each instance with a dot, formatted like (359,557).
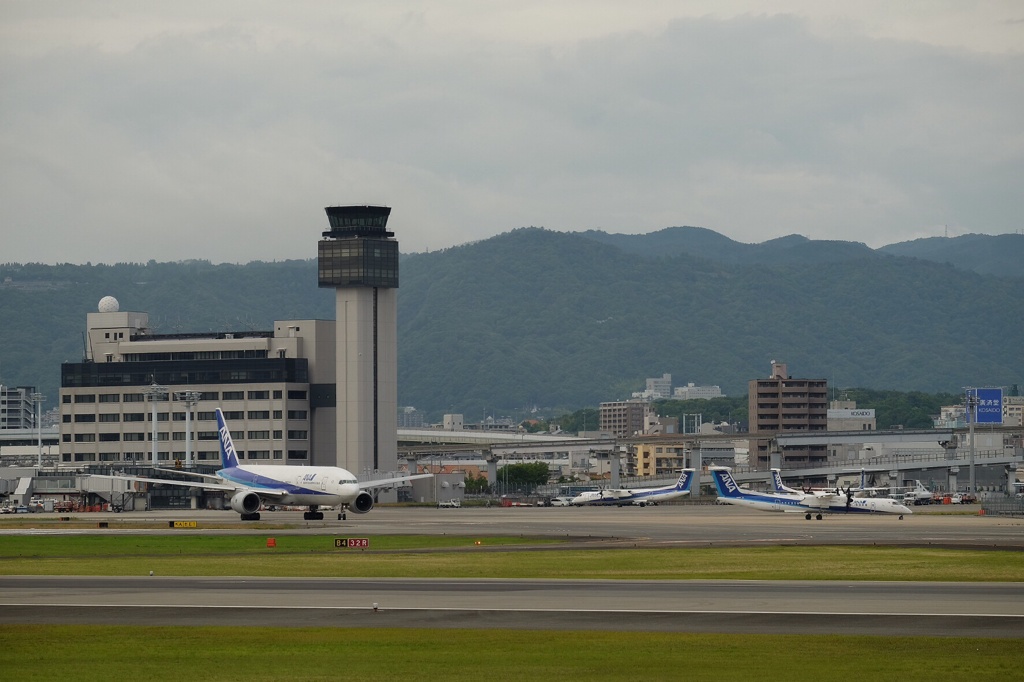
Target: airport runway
(833,607)
(812,607)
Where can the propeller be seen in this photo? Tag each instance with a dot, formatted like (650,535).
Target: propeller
(849,495)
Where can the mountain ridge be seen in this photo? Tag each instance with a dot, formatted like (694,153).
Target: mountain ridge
(539,317)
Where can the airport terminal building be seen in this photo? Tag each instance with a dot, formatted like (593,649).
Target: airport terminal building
(307,392)
(276,388)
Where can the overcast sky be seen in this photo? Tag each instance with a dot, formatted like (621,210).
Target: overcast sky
(219,130)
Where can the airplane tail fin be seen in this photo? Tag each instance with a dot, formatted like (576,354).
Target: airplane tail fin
(228,456)
(685,480)
(725,483)
(778,485)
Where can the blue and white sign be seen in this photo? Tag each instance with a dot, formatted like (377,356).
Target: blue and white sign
(988,405)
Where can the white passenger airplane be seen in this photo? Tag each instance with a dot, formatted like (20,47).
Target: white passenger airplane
(814,502)
(641,497)
(250,486)
(916,495)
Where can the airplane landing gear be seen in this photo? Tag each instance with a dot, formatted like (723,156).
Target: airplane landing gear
(901,517)
(807,516)
(818,517)
(251,517)
(313,516)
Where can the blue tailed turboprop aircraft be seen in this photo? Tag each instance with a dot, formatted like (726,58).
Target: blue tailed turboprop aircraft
(250,486)
(816,502)
(641,497)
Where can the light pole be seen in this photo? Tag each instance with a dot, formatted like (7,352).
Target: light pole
(38,399)
(972,413)
(155,392)
(190,399)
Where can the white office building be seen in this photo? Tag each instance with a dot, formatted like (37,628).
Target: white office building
(691,392)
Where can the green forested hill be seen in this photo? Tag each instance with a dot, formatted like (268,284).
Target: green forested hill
(986,254)
(43,307)
(548,318)
(535,317)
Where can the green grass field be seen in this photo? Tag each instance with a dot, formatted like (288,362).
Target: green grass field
(454,557)
(260,653)
(33,652)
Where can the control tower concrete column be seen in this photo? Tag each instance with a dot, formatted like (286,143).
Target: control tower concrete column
(358,258)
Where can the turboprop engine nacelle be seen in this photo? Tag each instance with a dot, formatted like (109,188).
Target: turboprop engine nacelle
(363,502)
(245,502)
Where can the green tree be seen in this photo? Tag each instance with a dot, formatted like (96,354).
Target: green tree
(524,476)
(477,485)
(580,420)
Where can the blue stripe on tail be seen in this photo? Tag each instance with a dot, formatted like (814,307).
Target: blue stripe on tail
(228,456)
(725,483)
(685,480)
(777,479)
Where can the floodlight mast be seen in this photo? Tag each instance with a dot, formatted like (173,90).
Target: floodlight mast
(971,400)
(38,399)
(190,398)
(155,392)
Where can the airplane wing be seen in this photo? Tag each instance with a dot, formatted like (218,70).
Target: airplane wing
(168,481)
(226,487)
(390,482)
(189,473)
(820,499)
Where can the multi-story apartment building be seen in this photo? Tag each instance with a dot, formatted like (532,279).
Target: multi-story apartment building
(17,410)
(656,459)
(659,387)
(623,418)
(276,389)
(781,404)
(1013,410)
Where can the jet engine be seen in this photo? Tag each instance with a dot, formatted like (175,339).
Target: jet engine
(246,502)
(363,502)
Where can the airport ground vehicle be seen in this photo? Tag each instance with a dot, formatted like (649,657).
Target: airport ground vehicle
(453,504)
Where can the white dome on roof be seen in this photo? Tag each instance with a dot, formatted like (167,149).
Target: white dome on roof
(109,304)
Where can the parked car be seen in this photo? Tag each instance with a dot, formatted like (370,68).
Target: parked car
(561,501)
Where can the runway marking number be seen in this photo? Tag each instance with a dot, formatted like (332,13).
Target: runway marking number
(352,543)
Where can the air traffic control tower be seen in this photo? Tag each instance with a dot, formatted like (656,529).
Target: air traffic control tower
(358,257)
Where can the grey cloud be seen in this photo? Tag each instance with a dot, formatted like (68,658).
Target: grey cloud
(213,146)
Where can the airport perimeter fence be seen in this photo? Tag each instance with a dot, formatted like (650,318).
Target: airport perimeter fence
(1010,507)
